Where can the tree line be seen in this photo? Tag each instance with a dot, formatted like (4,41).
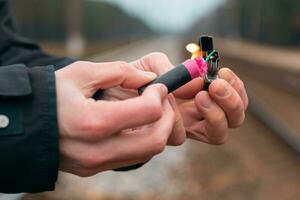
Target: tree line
(46,20)
(266,21)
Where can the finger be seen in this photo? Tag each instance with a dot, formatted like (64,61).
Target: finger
(156,62)
(236,83)
(229,100)
(159,63)
(124,147)
(197,131)
(189,90)
(106,118)
(84,161)
(178,134)
(214,126)
(112,74)
(148,143)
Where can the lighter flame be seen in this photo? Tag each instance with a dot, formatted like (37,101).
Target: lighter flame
(194,49)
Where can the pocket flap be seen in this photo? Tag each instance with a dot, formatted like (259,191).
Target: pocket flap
(14,81)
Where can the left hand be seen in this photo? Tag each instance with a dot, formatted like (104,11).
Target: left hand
(201,115)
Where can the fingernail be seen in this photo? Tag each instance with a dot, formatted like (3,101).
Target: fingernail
(172,101)
(206,103)
(228,75)
(223,91)
(232,81)
(231,78)
(163,89)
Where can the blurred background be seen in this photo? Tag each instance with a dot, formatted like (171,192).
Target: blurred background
(258,39)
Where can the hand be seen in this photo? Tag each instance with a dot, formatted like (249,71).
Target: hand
(102,135)
(206,116)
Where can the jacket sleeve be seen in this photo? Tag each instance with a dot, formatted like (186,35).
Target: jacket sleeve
(17,49)
(28,125)
(28,129)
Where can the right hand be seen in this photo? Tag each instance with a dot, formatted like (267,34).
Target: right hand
(104,135)
(206,116)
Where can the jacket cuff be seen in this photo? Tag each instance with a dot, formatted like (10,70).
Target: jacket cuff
(29,147)
(47,160)
(52,162)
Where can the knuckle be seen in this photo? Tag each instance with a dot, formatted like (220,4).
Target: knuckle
(155,109)
(159,144)
(83,63)
(236,106)
(177,142)
(122,64)
(180,136)
(180,142)
(121,68)
(220,141)
(241,91)
(238,123)
(155,58)
(88,124)
(158,55)
(240,87)
(89,161)
(93,127)
(217,119)
(92,159)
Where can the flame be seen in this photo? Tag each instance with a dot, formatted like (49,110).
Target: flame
(194,49)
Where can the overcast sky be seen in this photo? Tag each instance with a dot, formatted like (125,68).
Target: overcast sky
(168,15)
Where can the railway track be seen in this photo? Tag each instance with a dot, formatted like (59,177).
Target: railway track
(274,97)
(254,164)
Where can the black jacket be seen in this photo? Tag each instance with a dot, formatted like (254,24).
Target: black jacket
(28,123)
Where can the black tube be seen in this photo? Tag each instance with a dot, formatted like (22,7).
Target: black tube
(173,79)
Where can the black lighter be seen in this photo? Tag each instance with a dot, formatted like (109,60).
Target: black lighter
(212,58)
